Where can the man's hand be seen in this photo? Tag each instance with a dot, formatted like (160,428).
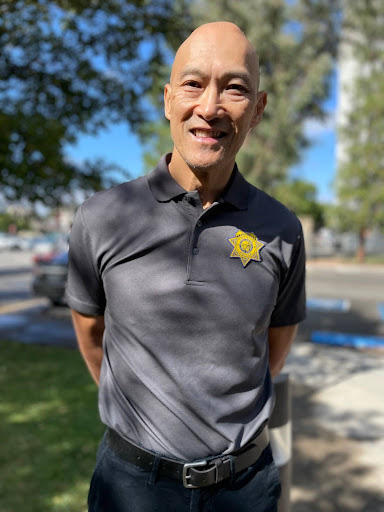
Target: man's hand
(280,342)
(89,332)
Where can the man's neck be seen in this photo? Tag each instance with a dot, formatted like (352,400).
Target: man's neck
(209,183)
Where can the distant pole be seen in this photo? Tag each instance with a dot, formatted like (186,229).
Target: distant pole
(280,426)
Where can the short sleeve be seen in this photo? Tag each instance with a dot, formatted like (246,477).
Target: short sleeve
(290,307)
(84,292)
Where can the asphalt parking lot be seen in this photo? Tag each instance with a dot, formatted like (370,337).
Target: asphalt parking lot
(337,405)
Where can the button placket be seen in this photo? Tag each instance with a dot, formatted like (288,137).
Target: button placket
(197,229)
(197,232)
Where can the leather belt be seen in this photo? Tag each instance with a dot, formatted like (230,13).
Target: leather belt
(200,473)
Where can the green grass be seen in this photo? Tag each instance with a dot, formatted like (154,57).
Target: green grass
(371,259)
(374,259)
(49,429)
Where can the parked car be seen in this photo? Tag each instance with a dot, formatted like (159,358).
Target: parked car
(10,242)
(50,276)
(17,243)
(4,241)
(49,244)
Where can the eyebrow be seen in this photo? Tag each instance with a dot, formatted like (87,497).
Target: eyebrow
(246,77)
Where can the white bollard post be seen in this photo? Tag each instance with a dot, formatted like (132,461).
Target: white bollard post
(280,429)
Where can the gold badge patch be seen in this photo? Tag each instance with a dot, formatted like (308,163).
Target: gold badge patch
(246,246)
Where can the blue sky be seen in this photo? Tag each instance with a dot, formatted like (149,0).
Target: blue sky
(118,144)
(318,163)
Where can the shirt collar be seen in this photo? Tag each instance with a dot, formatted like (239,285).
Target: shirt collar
(164,187)
(161,183)
(237,191)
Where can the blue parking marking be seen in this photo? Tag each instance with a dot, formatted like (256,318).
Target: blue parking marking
(317,304)
(347,340)
(380,308)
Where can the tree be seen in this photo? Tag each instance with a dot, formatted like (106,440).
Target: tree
(8,219)
(300,197)
(71,66)
(360,177)
(296,42)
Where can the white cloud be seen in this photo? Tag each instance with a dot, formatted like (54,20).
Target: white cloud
(314,128)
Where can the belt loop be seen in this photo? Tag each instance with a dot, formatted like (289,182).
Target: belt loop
(232,469)
(154,471)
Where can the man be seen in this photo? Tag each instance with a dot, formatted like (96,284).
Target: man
(186,288)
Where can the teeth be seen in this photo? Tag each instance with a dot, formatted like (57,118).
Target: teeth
(205,133)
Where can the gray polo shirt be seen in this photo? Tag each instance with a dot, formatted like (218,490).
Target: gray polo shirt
(188,296)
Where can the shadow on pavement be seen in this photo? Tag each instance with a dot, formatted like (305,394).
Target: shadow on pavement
(13,271)
(361,319)
(7,296)
(41,326)
(336,448)
(327,473)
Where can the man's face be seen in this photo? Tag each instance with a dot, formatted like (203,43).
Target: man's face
(212,100)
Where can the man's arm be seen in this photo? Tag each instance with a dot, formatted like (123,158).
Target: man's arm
(89,332)
(280,342)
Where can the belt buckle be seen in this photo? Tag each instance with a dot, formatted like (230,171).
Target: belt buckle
(187,476)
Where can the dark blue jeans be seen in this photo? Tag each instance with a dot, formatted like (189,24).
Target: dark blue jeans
(118,486)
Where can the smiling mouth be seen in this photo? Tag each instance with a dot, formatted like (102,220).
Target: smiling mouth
(208,134)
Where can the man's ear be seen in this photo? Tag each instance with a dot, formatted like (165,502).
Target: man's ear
(259,109)
(167,101)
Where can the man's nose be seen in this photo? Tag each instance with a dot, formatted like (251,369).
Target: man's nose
(209,106)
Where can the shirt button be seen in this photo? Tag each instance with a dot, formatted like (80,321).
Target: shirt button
(195,251)
(199,223)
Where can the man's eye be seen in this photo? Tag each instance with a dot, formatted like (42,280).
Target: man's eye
(192,83)
(237,87)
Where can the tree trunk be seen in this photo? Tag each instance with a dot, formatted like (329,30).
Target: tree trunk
(361,248)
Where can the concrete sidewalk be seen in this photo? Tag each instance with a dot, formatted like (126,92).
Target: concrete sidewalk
(338,429)
(345,267)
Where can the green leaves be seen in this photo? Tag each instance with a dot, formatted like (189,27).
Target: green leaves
(296,59)
(360,178)
(68,67)
(300,197)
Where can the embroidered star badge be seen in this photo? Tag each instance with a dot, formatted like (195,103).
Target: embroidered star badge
(246,246)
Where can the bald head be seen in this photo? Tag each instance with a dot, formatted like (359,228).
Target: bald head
(212,36)
(212,101)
